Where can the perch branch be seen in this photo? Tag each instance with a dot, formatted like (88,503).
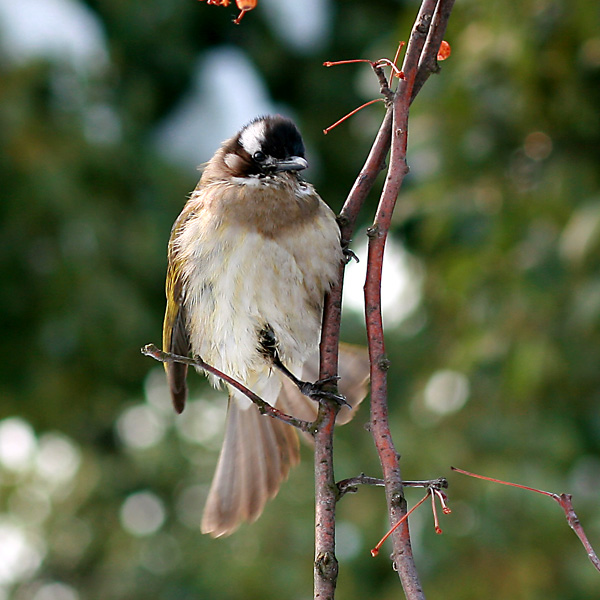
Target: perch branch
(326,566)
(263,407)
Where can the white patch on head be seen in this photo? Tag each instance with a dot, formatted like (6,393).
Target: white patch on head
(253,136)
(232,161)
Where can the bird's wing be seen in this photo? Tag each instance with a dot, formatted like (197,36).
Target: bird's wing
(175,335)
(353,369)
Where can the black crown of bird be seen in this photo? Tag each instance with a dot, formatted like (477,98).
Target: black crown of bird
(250,260)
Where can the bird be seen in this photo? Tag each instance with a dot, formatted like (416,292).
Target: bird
(251,258)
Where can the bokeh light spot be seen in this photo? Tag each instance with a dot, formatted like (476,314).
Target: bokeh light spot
(142,514)
(401,286)
(58,458)
(56,591)
(538,145)
(20,553)
(140,427)
(17,444)
(446,392)
(189,505)
(203,423)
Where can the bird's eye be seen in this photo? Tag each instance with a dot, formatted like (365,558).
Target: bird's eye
(259,156)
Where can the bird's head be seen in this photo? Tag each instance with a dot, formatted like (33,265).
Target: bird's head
(266,146)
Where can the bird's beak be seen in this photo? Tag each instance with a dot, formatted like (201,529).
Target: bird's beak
(293,163)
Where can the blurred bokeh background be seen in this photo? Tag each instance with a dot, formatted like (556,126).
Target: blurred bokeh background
(492,293)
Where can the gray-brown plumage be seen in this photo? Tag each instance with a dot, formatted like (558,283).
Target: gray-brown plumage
(254,250)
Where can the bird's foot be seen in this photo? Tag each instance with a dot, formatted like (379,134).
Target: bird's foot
(316,390)
(349,255)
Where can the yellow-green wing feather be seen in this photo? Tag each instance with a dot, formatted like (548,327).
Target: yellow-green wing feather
(175,335)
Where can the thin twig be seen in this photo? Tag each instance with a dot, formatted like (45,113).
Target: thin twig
(564,501)
(434,487)
(403,520)
(264,407)
(351,484)
(377,66)
(350,114)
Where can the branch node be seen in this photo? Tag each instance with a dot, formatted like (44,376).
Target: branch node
(342,220)
(373,231)
(396,499)
(326,565)
(423,26)
(384,363)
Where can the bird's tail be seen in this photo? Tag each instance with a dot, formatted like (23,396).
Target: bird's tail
(256,457)
(258,451)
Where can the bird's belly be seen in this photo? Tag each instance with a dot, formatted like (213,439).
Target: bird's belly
(247,281)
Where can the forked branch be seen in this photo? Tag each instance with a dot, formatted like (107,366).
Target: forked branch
(421,54)
(419,62)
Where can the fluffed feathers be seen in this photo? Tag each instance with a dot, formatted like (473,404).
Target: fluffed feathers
(255,249)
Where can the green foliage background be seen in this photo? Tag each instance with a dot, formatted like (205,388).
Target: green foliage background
(502,208)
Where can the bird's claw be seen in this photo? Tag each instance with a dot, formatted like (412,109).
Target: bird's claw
(316,392)
(349,255)
(326,380)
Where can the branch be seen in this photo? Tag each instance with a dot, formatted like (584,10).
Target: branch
(326,566)
(326,491)
(428,63)
(417,61)
(351,484)
(263,407)
(564,501)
